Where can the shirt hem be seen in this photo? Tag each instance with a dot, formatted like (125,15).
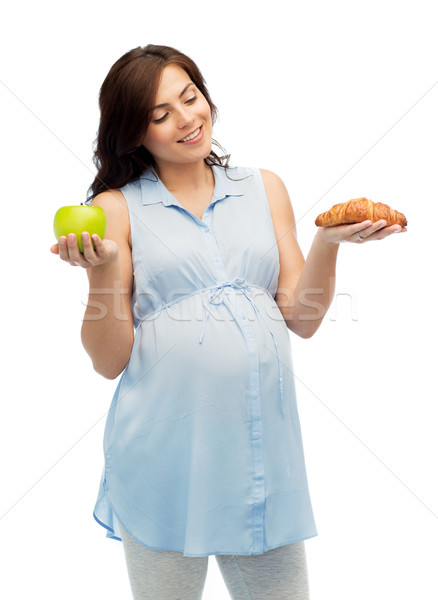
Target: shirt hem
(198,554)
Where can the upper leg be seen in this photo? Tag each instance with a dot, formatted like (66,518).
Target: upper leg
(163,574)
(278,574)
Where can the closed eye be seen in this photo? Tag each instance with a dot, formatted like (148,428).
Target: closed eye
(189,101)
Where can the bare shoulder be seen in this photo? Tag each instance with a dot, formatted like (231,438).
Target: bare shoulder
(270,178)
(115,206)
(112,201)
(283,220)
(279,201)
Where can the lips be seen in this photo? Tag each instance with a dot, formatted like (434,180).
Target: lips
(189,134)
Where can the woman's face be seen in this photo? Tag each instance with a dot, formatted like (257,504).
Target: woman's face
(185,111)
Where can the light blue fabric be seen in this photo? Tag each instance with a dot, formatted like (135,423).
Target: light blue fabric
(203,450)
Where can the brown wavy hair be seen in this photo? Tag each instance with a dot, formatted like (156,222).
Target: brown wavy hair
(125,100)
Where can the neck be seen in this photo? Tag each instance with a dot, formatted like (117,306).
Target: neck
(184,177)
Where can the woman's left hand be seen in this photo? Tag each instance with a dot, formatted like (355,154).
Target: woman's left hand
(359,233)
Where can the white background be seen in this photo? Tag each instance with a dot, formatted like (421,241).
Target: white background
(338,98)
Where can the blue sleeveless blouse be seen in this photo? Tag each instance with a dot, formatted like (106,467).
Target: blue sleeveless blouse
(202,445)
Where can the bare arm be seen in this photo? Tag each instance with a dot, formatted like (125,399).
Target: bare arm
(306,287)
(107,329)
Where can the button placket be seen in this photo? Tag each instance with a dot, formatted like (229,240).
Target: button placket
(255,432)
(253,398)
(213,250)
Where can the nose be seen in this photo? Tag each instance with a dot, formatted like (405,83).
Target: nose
(185,117)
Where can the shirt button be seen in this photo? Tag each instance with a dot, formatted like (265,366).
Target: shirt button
(256,435)
(217,259)
(243,317)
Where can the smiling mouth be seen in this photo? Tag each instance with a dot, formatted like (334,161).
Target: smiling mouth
(191,136)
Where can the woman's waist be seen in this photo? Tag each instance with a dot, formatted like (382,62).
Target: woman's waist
(234,295)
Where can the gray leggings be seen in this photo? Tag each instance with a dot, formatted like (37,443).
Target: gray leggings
(278,574)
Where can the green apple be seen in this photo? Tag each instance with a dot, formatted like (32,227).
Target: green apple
(76,219)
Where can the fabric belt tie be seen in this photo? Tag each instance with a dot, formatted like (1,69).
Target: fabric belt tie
(216,297)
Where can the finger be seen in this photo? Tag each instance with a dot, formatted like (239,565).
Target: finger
(360,226)
(356,231)
(75,257)
(381,224)
(376,226)
(63,248)
(396,229)
(387,231)
(54,249)
(368,231)
(89,254)
(98,243)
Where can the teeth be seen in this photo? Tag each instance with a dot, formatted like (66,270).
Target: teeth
(190,137)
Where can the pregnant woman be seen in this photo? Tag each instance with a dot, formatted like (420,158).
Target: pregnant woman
(192,296)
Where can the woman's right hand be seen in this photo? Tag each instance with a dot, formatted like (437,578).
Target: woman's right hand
(68,250)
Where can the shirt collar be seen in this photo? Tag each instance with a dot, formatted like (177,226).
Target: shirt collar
(154,191)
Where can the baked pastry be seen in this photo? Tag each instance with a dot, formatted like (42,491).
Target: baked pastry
(357,210)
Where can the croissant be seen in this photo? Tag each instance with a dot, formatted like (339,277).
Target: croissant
(357,210)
